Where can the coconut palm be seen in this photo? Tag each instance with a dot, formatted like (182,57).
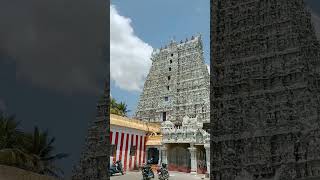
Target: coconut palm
(30,151)
(118,108)
(114,107)
(115,111)
(123,108)
(11,144)
(10,135)
(113,103)
(40,146)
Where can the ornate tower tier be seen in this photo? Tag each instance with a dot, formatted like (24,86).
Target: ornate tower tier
(177,84)
(94,159)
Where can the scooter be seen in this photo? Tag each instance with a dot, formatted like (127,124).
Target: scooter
(163,173)
(116,168)
(147,172)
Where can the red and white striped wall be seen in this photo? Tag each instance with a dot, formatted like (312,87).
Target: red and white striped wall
(124,138)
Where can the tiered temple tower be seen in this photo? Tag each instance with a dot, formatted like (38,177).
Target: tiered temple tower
(94,160)
(177,84)
(265,90)
(176,94)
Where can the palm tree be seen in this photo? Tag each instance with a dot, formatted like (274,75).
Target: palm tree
(114,107)
(11,144)
(9,132)
(40,146)
(123,108)
(33,152)
(113,103)
(118,108)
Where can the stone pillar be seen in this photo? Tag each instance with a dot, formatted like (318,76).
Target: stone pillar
(160,155)
(193,158)
(164,153)
(207,147)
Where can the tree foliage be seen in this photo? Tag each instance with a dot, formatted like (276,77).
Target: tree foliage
(29,151)
(120,109)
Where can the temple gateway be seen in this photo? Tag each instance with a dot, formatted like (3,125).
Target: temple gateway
(176,95)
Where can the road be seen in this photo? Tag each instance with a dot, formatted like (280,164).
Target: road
(173,176)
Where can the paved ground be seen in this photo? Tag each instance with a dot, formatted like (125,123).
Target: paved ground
(173,176)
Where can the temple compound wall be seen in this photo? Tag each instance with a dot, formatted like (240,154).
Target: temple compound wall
(265,79)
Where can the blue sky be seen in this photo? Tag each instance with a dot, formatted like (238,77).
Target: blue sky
(155,23)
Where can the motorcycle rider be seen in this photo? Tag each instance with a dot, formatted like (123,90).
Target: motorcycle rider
(116,168)
(163,173)
(147,172)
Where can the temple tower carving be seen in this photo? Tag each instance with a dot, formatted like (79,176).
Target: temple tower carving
(265,90)
(177,84)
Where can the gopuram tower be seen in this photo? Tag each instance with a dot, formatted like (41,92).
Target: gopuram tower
(265,91)
(176,94)
(94,159)
(177,84)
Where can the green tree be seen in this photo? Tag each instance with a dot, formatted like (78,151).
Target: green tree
(118,108)
(12,144)
(30,151)
(113,103)
(40,146)
(123,108)
(10,135)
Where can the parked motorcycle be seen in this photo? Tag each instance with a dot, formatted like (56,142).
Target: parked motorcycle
(116,168)
(163,172)
(147,172)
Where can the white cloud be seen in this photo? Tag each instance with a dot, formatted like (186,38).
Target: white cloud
(129,55)
(208,67)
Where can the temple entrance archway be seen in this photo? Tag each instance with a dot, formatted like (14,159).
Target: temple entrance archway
(179,158)
(201,160)
(154,154)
